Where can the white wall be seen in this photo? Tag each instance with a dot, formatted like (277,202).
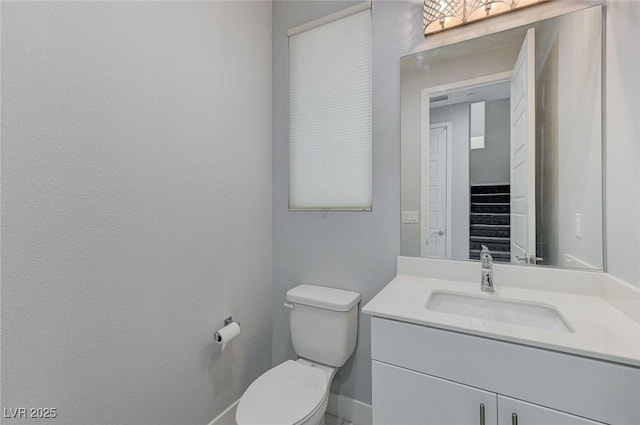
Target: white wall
(136,207)
(623,140)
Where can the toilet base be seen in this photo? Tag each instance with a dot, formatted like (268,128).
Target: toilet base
(317,418)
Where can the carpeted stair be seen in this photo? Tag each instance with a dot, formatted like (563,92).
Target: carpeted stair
(490,221)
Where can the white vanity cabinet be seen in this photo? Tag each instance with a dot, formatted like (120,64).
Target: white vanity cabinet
(405,397)
(425,375)
(516,412)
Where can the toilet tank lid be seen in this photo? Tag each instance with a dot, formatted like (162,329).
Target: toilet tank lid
(323,297)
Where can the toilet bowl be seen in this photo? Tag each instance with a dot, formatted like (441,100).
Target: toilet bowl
(324,325)
(294,392)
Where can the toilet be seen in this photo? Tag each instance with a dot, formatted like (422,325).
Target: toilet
(324,328)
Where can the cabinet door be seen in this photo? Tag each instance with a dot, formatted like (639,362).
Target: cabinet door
(405,397)
(532,414)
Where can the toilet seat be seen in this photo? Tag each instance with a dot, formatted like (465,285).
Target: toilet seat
(287,394)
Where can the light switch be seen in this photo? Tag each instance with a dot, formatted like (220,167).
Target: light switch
(409,217)
(578,226)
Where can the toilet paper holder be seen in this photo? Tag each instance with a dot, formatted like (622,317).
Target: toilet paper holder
(228,332)
(228,320)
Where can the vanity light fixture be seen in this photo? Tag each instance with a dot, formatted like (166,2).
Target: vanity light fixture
(440,15)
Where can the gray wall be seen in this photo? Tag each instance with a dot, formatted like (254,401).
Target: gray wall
(623,140)
(491,164)
(136,207)
(350,250)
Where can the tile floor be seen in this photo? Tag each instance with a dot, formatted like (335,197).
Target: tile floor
(332,420)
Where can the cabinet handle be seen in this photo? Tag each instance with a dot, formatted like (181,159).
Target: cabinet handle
(514,419)
(481,413)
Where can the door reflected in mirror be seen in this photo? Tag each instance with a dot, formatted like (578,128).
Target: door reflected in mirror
(502,146)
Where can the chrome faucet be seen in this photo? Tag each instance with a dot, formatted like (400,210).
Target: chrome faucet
(486,284)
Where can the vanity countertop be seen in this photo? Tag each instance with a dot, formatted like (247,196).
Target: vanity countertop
(600,330)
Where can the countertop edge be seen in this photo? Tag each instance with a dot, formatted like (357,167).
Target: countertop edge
(624,361)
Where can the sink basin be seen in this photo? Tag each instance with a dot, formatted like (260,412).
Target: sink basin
(499,310)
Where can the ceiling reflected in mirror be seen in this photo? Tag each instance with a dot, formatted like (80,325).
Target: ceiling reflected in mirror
(441,15)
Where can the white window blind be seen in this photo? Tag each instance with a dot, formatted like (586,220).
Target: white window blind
(330,133)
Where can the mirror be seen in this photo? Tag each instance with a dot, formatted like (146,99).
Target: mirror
(502,145)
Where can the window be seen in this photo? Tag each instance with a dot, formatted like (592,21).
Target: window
(476,128)
(330,135)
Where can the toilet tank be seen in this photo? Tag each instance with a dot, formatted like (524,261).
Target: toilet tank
(324,323)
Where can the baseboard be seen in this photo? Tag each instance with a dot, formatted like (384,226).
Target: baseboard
(345,408)
(350,410)
(228,416)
